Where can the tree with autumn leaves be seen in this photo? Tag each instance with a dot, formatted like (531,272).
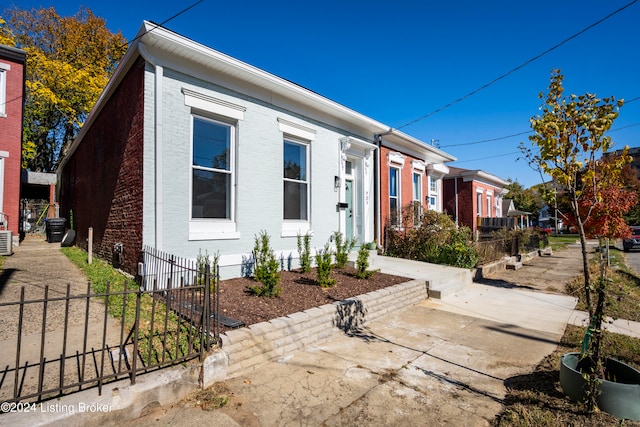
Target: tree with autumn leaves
(69,62)
(571,145)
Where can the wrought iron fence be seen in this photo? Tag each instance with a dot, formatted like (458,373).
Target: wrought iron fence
(89,339)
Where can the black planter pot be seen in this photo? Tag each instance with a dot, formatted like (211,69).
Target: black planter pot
(620,398)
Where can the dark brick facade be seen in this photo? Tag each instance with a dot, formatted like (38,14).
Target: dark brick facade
(102,182)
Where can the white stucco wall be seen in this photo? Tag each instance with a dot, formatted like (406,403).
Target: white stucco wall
(258,174)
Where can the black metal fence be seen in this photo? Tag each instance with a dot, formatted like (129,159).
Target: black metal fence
(80,341)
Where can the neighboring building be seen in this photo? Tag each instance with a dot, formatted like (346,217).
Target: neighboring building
(411,172)
(12,90)
(189,150)
(470,195)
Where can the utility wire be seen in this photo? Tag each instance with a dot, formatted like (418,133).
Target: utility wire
(127,44)
(490,157)
(530,131)
(518,67)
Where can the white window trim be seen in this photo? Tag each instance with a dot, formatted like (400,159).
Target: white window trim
(293,227)
(413,175)
(399,195)
(396,160)
(213,228)
(3,88)
(213,105)
(296,130)
(479,212)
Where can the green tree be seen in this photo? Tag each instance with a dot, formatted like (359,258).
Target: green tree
(568,141)
(524,199)
(69,62)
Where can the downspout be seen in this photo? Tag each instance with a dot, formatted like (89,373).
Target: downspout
(159,203)
(455,191)
(376,188)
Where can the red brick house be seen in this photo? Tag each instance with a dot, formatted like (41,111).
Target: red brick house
(12,89)
(411,172)
(473,194)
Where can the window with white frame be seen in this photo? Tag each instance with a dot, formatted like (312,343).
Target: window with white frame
(433,193)
(489,204)
(417,198)
(394,196)
(296,180)
(3,89)
(212,169)
(479,203)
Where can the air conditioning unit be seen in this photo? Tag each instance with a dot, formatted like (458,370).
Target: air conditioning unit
(6,242)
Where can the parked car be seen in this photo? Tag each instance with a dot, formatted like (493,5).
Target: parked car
(634,241)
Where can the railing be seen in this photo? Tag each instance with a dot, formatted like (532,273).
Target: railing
(75,342)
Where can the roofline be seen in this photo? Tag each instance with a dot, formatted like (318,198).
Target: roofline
(157,37)
(13,53)
(466,173)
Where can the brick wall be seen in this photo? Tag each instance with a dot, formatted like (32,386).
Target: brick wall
(11,140)
(406,185)
(102,181)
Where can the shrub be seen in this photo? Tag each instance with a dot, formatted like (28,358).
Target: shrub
(267,267)
(435,239)
(304,250)
(324,265)
(363,263)
(343,249)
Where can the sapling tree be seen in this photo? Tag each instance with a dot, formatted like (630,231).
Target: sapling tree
(343,247)
(569,145)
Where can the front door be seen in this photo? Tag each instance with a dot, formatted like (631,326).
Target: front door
(348,198)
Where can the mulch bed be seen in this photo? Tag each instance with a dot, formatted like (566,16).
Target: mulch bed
(300,291)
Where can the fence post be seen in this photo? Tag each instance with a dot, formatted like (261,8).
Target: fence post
(90,246)
(206,313)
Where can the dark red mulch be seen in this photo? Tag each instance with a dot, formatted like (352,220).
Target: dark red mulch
(300,291)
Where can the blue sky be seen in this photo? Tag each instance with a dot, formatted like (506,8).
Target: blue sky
(397,61)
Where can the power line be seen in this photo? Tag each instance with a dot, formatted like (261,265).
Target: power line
(487,140)
(490,157)
(473,92)
(127,44)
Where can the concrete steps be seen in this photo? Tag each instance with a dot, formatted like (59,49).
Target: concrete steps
(441,280)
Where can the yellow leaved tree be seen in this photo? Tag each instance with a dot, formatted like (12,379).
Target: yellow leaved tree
(69,62)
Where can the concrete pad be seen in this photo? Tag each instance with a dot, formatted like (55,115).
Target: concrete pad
(521,308)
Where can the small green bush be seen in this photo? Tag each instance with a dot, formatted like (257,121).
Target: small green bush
(342,249)
(304,250)
(324,266)
(435,239)
(267,267)
(362,264)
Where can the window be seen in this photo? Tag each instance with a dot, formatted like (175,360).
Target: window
(479,203)
(3,89)
(433,193)
(296,183)
(417,198)
(489,205)
(394,196)
(212,169)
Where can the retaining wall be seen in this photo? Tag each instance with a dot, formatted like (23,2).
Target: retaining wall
(248,347)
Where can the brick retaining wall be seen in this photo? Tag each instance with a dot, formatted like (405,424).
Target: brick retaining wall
(249,347)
